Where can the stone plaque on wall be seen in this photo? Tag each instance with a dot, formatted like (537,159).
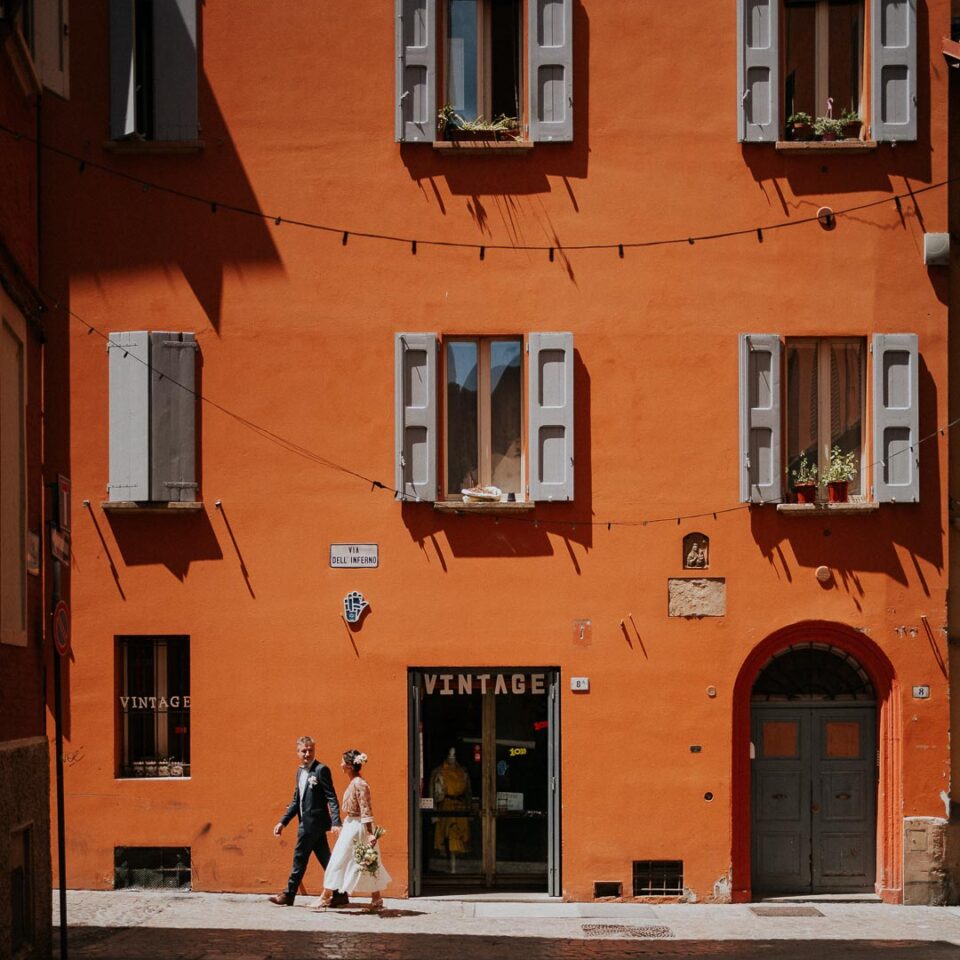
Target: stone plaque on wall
(697,597)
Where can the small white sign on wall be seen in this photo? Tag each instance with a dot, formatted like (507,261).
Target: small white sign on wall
(353,555)
(921,692)
(580,684)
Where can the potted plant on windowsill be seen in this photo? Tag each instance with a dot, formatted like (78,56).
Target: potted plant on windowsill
(852,124)
(805,480)
(800,126)
(838,474)
(455,127)
(828,129)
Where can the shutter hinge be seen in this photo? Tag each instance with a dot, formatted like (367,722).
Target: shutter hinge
(180,484)
(553,783)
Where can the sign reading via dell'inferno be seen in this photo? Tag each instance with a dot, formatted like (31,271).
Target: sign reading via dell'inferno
(353,555)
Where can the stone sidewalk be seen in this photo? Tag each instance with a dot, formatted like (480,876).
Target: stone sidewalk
(539,919)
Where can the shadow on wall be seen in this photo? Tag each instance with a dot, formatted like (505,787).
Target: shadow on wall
(840,543)
(174,542)
(484,536)
(507,177)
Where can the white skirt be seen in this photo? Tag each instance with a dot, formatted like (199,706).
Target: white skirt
(343,872)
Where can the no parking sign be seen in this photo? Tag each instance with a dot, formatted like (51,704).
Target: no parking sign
(61,628)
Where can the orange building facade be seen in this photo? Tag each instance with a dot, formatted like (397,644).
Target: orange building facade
(628,318)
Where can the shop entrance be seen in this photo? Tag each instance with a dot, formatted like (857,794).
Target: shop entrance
(814,773)
(485,780)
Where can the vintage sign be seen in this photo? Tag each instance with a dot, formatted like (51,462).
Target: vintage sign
(350,556)
(468,683)
(157,703)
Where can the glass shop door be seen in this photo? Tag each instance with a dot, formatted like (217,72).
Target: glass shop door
(485,785)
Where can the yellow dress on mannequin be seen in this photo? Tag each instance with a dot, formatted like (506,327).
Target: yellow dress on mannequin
(450,786)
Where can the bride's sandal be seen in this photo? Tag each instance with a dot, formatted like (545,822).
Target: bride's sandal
(324,904)
(375,905)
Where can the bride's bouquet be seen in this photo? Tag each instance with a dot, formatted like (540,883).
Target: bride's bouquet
(365,854)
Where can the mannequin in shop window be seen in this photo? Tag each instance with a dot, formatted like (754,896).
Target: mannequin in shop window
(450,787)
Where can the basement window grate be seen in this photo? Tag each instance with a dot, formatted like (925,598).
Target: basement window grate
(151,867)
(607,888)
(657,878)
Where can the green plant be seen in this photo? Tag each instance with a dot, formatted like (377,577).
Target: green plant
(805,473)
(800,117)
(451,120)
(841,467)
(850,117)
(828,126)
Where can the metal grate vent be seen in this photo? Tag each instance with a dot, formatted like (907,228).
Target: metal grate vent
(615,931)
(151,867)
(607,888)
(657,878)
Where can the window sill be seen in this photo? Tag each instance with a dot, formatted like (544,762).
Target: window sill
(497,508)
(121,507)
(833,509)
(475,148)
(153,146)
(826,146)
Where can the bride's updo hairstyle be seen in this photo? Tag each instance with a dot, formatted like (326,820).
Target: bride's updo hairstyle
(355,759)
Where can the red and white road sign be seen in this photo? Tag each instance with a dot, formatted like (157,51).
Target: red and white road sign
(61,628)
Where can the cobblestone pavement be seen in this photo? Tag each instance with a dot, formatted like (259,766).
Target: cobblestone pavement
(176,925)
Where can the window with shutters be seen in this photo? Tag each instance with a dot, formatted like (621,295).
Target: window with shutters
(827,58)
(13,477)
(154,706)
(485,59)
(44,27)
(153,411)
(484,412)
(153,70)
(832,387)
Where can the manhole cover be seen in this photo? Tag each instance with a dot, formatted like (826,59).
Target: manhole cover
(786,911)
(647,931)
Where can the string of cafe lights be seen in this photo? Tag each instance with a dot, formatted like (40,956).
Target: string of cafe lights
(301,451)
(413,243)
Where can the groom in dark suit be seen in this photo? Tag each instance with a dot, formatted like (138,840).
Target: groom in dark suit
(315,804)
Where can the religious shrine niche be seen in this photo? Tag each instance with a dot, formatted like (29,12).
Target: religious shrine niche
(696,551)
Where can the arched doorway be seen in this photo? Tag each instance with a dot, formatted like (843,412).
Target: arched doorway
(888,712)
(814,773)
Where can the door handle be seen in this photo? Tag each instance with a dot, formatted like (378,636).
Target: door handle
(843,796)
(815,808)
(779,796)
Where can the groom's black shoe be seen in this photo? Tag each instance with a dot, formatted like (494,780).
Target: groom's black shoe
(281,899)
(340,899)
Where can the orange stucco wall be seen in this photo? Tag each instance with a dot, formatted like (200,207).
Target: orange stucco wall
(296,334)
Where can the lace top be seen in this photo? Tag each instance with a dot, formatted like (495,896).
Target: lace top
(356,800)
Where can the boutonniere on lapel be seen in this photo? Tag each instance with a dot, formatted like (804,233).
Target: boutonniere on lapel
(312,780)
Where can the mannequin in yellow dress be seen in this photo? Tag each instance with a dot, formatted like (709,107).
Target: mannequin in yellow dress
(450,787)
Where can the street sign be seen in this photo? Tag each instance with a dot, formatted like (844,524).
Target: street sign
(61,628)
(353,555)
(60,545)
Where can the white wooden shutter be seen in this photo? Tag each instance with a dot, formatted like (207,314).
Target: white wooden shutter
(761,458)
(173,415)
(51,42)
(550,66)
(550,412)
(175,69)
(896,418)
(893,52)
(122,112)
(416,78)
(416,399)
(758,70)
(128,360)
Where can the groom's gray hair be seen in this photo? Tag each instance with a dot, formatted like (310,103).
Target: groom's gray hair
(305,740)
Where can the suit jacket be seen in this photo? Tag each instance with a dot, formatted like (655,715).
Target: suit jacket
(319,810)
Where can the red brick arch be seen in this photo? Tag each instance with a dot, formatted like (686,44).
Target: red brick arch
(889,883)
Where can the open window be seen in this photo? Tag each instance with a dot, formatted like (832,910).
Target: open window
(484,411)
(822,403)
(485,59)
(811,56)
(153,70)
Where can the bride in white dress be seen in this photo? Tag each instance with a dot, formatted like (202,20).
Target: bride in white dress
(343,872)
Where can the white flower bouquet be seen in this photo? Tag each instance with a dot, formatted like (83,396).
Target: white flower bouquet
(365,854)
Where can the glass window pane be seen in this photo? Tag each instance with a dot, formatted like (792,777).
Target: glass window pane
(462,447)
(802,403)
(846,54)
(505,415)
(846,403)
(462,57)
(505,58)
(800,57)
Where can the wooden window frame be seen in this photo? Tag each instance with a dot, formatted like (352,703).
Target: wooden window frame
(824,442)
(484,439)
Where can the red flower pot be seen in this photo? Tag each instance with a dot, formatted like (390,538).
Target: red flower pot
(837,491)
(806,492)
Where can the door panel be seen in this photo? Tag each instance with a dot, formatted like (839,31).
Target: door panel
(814,799)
